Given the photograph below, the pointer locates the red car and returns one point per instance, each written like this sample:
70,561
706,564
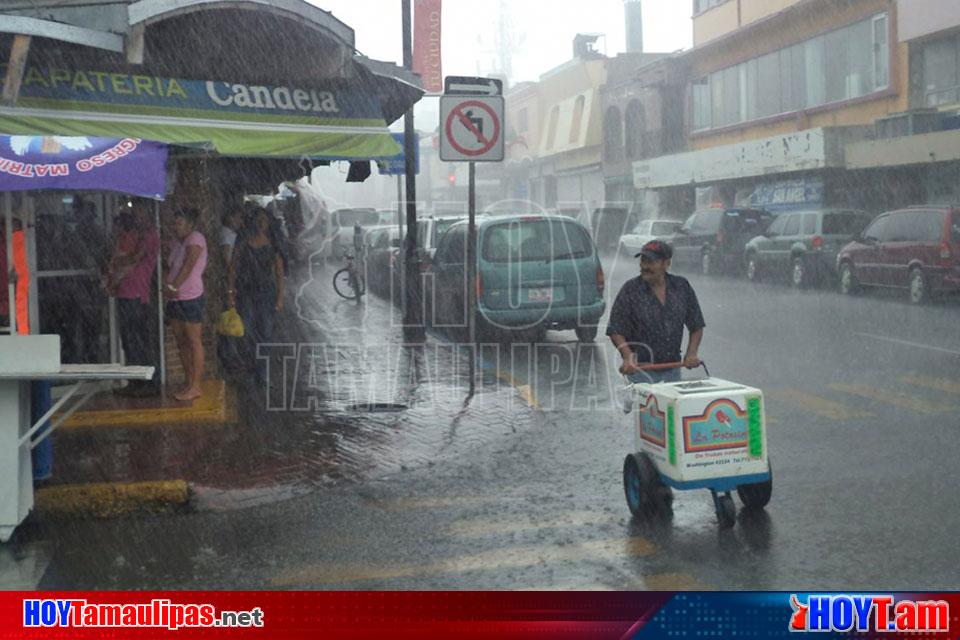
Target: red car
917,249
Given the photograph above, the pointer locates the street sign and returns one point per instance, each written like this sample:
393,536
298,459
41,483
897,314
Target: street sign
396,165
471,128
471,86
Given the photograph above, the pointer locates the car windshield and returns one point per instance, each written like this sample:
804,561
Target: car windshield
846,223
535,240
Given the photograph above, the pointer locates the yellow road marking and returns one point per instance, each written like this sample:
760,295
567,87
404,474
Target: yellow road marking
476,528
817,405
495,559
895,398
525,390
939,384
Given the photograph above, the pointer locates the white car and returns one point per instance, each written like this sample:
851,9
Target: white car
644,232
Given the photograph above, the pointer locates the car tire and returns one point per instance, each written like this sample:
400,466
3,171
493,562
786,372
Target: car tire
919,286
587,333
799,277
848,280
753,268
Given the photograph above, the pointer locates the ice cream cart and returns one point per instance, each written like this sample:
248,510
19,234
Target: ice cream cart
698,434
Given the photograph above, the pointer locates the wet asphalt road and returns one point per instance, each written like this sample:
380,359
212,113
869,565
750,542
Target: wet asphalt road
862,400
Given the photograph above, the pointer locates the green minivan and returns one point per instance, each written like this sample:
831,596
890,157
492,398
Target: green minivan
535,272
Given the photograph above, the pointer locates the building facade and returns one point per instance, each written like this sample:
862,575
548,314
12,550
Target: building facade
778,89
642,102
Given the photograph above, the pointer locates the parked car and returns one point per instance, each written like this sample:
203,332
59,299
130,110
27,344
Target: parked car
713,240
803,245
381,244
430,230
917,249
534,273
644,232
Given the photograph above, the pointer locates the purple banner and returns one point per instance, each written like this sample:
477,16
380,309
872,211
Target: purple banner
128,165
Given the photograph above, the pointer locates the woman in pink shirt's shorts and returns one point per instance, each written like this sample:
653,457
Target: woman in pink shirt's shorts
184,292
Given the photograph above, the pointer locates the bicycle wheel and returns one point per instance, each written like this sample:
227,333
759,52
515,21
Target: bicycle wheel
343,284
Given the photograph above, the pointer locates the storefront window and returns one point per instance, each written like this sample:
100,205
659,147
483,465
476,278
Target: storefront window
845,64
941,76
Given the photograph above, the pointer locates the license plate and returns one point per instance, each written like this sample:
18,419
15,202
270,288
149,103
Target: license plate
540,295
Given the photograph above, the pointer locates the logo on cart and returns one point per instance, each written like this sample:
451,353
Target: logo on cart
865,613
723,425
653,423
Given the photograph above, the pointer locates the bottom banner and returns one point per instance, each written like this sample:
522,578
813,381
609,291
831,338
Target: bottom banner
293,615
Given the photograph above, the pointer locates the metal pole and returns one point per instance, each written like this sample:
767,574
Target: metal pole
472,268
162,335
112,300
11,287
401,253
413,316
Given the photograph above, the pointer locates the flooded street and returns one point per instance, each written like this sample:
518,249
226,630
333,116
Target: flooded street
500,495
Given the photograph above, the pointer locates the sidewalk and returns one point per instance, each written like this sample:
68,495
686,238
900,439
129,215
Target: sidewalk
352,402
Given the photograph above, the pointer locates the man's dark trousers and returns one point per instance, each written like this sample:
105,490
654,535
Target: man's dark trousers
135,332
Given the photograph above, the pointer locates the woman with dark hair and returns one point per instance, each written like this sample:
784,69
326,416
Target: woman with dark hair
184,290
255,283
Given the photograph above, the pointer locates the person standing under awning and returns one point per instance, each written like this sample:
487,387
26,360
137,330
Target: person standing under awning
134,312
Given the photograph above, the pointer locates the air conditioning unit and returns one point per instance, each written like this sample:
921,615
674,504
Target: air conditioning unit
909,123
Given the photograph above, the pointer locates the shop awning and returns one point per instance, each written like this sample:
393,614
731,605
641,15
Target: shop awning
340,121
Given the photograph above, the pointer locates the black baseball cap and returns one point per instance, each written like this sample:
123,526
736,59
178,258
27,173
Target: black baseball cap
656,250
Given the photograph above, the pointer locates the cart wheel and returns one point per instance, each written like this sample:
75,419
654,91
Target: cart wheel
646,494
756,495
660,495
726,511
632,487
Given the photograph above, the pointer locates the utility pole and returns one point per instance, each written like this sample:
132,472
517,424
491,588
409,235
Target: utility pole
413,315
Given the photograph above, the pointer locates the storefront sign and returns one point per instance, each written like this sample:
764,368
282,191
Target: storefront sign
128,165
341,120
785,195
426,44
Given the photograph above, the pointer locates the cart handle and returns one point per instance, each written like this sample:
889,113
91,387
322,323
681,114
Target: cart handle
666,366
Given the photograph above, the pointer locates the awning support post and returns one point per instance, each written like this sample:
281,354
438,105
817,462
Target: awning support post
15,69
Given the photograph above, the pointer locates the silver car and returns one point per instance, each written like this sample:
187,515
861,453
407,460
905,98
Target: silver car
644,232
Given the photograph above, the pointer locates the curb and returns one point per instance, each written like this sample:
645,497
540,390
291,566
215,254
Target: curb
109,500
214,407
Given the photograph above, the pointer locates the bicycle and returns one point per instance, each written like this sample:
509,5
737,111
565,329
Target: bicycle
348,282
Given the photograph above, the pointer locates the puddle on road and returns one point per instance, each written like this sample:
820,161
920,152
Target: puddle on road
274,455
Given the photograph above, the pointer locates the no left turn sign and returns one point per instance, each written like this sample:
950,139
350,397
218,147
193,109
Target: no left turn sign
471,128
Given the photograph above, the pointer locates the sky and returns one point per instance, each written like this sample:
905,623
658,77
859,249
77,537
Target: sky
543,30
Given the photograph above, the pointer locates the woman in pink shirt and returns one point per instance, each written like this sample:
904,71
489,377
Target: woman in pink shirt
184,290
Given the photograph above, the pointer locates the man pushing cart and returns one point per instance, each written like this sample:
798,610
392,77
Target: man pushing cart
708,433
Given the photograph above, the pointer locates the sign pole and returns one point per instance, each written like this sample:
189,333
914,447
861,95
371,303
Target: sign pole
412,320
401,254
11,286
472,267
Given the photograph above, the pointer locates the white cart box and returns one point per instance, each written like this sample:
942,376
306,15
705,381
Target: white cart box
703,429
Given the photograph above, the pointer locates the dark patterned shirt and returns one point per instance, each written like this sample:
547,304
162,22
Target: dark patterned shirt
638,316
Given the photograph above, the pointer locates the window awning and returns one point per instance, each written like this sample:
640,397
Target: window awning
341,121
